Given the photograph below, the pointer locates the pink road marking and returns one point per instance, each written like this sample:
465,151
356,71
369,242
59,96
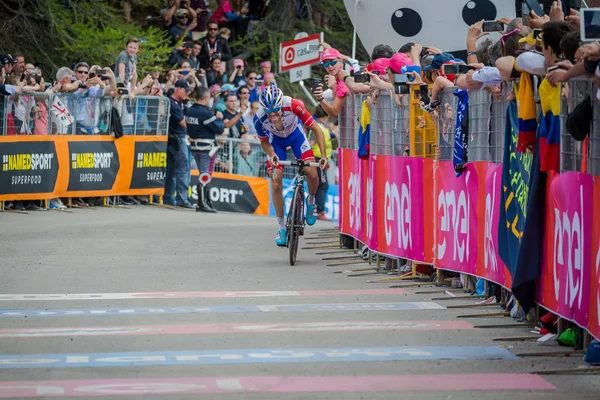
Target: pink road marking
189,329
273,384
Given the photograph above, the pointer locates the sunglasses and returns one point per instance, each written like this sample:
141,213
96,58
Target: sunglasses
82,72
213,29
271,110
327,64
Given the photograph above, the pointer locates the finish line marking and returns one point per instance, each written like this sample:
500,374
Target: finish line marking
195,295
193,329
99,312
254,356
273,384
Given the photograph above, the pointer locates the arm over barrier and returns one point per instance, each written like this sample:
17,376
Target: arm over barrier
474,220
64,145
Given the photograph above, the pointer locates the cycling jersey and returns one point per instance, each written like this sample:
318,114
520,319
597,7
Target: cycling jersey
293,112
293,134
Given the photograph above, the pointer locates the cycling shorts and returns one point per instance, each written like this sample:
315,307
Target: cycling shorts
299,144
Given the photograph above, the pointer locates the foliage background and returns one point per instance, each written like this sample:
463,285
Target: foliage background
56,33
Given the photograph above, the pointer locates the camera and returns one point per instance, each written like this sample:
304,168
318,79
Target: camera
122,91
100,72
362,78
400,78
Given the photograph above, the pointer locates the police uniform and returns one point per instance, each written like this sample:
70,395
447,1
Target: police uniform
202,127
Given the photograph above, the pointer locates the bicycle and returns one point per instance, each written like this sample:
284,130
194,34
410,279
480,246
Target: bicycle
296,220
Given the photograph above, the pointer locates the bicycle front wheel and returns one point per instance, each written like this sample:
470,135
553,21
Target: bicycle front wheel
296,224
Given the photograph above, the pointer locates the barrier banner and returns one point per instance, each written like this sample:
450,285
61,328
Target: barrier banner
594,325
93,166
235,193
402,199
331,200
45,167
492,267
371,214
565,281
28,167
456,218
150,165
352,173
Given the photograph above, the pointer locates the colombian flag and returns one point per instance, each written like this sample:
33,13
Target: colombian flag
526,113
549,127
364,133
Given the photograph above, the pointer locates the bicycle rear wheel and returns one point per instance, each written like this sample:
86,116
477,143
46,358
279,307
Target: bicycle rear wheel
296,223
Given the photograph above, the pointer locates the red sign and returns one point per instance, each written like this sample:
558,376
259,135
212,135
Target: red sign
295,53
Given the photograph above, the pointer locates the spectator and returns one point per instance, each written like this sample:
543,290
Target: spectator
248,117
244,97
177,159
321,118
195,61
235,20
126,65
18,67
232,116
265,68
252,87
225,33
237,76
331,59
183,27
182,55
214,75
202,11
202,127
269,78
246,160
213,46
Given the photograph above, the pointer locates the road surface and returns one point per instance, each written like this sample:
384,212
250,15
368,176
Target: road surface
131,302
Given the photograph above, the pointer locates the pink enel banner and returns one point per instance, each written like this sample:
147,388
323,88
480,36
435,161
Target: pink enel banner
566,271
456,218
351,194
400,199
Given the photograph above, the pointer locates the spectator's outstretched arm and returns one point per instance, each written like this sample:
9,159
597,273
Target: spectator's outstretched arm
168,16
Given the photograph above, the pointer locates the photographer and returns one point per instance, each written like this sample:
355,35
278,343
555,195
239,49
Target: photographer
202,127
237,77
332,61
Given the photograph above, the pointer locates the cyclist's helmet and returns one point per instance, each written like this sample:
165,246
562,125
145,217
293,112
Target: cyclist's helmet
271,97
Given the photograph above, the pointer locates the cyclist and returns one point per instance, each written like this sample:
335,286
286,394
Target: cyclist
279,124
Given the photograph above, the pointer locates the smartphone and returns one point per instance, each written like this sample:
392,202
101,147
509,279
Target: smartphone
453,69
105,78
400,78
590,24
535,6
100,72
401,88
122,91
566,5
91,75
424,92
362,78
315,84
536,33
492,26
314,47
185,72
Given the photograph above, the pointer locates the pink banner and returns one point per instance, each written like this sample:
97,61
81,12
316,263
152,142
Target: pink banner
371,211
400,204
352,193
565,275
456,218
490,265
594,324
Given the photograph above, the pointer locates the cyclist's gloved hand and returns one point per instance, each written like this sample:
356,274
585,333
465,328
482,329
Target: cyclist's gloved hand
324,164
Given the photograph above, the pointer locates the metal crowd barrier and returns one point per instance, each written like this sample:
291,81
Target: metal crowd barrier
79,114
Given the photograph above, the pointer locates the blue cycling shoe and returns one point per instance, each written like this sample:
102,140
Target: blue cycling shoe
281,238
311,214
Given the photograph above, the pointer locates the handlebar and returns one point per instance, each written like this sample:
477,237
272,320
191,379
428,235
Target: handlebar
299,163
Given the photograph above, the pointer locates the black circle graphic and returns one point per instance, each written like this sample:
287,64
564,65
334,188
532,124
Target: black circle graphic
407,22
476,10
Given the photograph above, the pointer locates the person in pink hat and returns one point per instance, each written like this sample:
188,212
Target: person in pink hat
332,61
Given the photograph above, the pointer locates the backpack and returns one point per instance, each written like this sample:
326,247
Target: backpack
116,127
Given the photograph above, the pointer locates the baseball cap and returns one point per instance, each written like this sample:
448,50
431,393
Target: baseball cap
183,84
189,45
238,62
398,61
379,65
180,12
439,60
228,87
7,59
265,64
330,54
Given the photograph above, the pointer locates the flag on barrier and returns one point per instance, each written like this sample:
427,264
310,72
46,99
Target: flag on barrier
527,114
62,116
364,132
461,142
549,130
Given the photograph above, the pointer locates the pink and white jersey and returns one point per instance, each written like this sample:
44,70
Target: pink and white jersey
293,113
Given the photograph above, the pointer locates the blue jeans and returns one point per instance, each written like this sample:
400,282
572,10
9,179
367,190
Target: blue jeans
177,172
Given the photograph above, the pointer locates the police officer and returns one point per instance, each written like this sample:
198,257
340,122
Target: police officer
202,126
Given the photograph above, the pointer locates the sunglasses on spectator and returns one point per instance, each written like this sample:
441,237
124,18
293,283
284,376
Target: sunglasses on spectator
82,72
251,78
327,64
213,29
272,110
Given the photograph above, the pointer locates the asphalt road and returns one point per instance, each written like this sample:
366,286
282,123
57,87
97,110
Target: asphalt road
131,302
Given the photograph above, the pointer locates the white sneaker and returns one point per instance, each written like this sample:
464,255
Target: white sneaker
57,204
